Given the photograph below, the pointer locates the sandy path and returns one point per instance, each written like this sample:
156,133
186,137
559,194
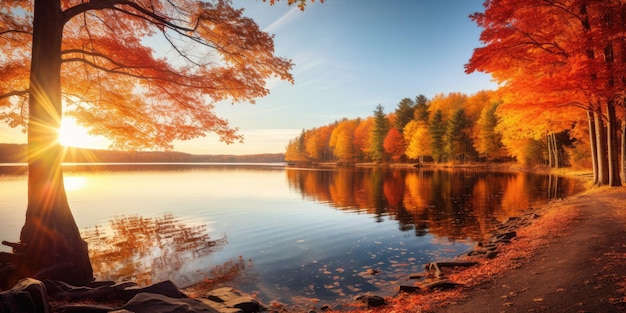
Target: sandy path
582,271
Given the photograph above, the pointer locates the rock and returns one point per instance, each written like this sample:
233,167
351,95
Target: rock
106,291
371,301
155,303
28,295
409,289
165,288
37,291
229,300
503,237
16,302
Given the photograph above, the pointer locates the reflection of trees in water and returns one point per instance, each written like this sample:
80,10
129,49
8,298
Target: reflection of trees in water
452,203
146,250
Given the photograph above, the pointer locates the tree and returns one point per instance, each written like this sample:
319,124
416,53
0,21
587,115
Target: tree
404,113
394,144
560,53
418,140
316,144
437,129
362,137
458,142
342,140
88,58
488,142
421,109
296,149
379,132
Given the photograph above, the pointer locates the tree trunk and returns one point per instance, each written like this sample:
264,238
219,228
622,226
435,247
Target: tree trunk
613,146
54,248
624,148
593,145
623,167
602,148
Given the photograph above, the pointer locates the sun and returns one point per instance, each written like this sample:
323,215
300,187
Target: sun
73,135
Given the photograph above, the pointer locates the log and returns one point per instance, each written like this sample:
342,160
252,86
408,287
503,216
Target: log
443,284
436,266
17,246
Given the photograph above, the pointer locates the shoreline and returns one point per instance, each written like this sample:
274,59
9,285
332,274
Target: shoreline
558,221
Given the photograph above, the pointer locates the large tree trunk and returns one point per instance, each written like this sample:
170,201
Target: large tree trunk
593,145
602,148
623,164
54,248
613,146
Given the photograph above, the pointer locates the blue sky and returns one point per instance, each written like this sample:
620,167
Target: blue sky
350,56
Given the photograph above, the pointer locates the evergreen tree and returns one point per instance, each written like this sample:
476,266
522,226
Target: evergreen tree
404,113
437,130
379,132
421,109
458,141
489,142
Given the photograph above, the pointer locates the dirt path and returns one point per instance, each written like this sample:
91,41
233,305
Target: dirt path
582,271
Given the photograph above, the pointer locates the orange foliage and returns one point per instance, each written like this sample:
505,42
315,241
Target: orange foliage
394,144
118,87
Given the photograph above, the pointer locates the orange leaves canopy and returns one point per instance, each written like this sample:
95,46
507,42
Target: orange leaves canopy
553,52
114,81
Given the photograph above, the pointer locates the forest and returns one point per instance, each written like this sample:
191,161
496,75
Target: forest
561,72
452,128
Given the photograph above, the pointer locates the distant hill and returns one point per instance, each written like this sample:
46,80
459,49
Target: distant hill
16,153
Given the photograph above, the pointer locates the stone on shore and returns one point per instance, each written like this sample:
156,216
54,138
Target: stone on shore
28,295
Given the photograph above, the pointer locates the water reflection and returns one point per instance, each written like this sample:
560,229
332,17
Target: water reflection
451,203
146,250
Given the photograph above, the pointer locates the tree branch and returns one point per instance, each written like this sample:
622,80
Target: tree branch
18,93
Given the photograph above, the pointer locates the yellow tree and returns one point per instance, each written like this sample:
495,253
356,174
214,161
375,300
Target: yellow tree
90,59
418,140
362,137
342,140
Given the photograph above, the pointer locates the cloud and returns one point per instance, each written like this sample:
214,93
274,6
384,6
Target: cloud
285,19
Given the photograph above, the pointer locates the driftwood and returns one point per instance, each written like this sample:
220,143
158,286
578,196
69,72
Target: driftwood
18,247
436,266
443,284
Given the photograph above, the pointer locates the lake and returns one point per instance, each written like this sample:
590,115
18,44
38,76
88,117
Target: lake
286,234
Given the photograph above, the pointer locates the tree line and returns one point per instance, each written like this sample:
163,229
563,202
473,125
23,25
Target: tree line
456,127
561,70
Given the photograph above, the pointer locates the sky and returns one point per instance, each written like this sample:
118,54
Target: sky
349,56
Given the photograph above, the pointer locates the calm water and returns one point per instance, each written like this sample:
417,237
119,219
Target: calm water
286,234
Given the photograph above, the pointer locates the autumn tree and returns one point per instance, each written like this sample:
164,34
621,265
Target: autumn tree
296,149
394,144
362,137
317,146
379,132
561,53
342,140
89,60
418,140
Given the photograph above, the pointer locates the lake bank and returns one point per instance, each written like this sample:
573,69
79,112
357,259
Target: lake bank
569,260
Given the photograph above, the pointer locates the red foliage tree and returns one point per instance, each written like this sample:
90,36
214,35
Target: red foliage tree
394,144
560,53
